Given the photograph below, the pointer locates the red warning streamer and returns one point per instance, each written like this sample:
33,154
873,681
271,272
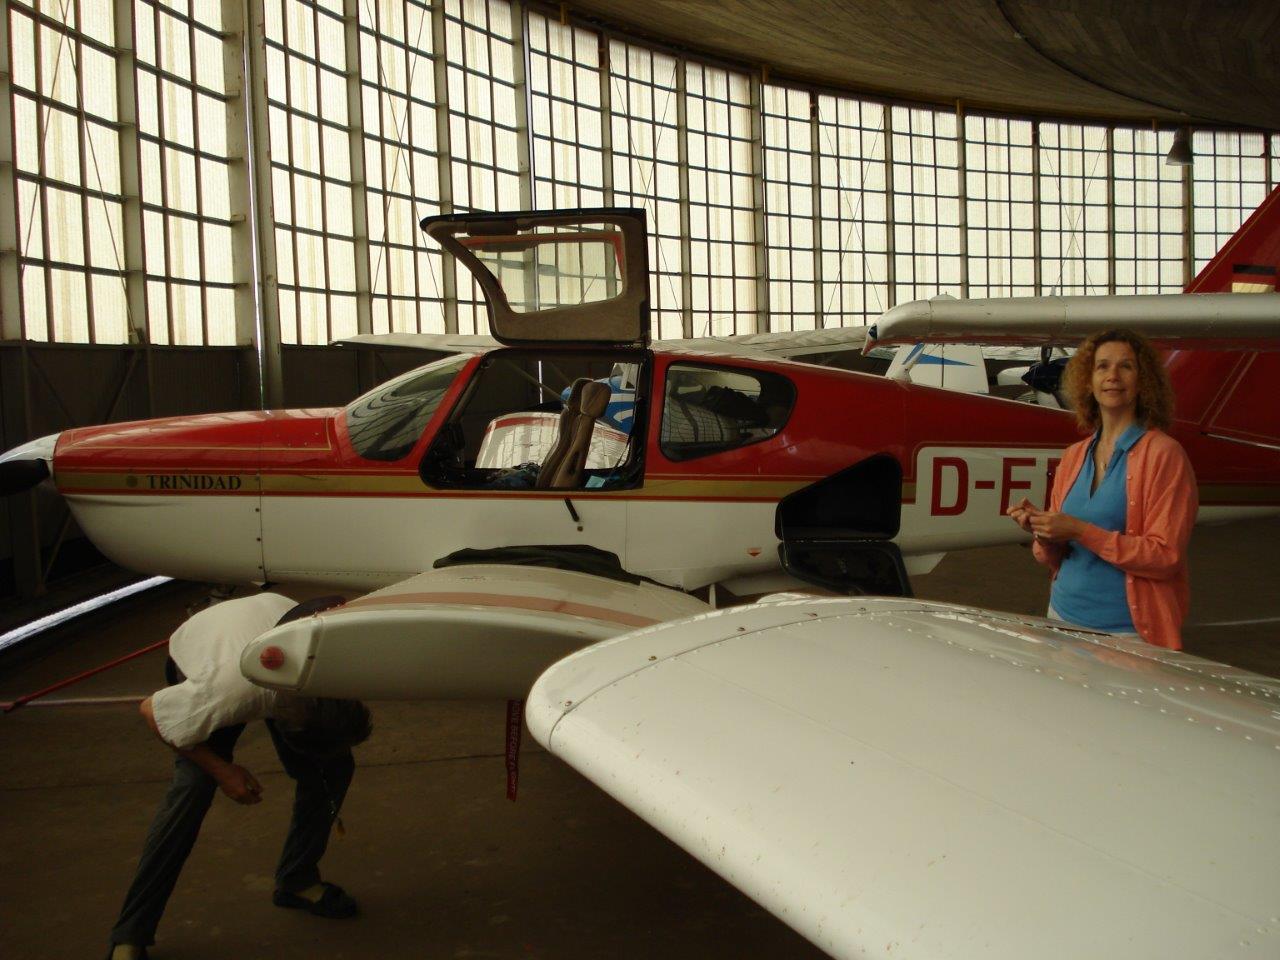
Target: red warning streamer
515,726
10,707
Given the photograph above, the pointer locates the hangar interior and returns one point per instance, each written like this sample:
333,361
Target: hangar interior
200,195
198,198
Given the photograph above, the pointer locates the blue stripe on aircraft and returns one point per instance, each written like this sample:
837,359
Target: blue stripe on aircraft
930,358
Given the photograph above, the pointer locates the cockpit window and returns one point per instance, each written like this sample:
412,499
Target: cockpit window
386,422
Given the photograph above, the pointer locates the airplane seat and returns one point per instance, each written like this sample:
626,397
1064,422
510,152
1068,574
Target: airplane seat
562,469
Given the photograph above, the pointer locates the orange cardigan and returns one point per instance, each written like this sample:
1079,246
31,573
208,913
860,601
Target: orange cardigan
1152,551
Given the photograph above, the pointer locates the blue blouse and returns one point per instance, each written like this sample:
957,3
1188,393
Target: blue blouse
1089,591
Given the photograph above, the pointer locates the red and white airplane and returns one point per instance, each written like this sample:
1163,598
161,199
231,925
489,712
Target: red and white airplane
755,474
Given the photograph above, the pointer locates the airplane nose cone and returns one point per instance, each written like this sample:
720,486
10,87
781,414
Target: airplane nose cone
26,464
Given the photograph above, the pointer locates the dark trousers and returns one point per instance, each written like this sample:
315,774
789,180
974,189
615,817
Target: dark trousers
320,786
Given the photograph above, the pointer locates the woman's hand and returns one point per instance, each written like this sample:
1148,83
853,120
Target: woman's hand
1021,513
1054,527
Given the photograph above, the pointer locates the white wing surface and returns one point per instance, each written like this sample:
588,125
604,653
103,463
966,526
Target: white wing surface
440,342
474,630
784,344
902,779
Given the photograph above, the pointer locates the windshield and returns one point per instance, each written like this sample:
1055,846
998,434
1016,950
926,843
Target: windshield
386,422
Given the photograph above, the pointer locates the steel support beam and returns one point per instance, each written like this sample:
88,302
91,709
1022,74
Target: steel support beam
606,120
1111,211
1188,224
133,239
444,164
815,174
359,183
10,272
259,126
962,204
759,220
682,160
15,390
240,187
890,215
1037,269
520,77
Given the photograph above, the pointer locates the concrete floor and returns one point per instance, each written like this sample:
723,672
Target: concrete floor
442,864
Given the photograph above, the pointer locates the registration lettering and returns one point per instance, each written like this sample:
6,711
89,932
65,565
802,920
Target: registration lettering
959,481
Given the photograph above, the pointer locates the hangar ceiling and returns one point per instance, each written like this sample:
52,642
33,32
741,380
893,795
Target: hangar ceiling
1190,61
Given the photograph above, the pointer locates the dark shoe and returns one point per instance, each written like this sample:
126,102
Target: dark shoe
334,904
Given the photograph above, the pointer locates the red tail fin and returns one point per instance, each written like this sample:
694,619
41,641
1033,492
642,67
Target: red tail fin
1228,392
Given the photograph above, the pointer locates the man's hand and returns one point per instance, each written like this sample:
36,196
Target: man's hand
234,780
239,784
1055,527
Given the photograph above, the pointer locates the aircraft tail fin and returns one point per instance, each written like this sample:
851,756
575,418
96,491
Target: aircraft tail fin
1230,393
955,366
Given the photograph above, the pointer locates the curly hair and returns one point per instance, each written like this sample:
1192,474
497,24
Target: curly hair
1155,392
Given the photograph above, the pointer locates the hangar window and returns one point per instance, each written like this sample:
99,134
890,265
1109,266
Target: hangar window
644,88
386,422
710,410
1229,171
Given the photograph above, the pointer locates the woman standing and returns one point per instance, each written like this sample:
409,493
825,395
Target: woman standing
1123,501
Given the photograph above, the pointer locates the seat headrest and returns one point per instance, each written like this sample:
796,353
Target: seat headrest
595,398
572,401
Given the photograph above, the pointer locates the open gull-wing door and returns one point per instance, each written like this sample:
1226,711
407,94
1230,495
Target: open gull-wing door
579,277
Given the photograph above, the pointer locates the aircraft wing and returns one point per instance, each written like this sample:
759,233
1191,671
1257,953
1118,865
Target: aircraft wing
439,342
785,345
782,344
481,630
900,778
1200,320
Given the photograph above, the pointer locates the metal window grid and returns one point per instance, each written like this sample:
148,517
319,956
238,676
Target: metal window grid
401,159
1000,220
481,53
310,166
853,210
1073,209
926,204
1148,213
565,117
721,201
790,238
646,139
71,270
1229,177
185,175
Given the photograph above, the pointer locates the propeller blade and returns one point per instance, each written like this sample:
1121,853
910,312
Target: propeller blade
17,476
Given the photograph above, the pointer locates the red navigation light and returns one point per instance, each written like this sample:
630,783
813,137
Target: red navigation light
271,658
